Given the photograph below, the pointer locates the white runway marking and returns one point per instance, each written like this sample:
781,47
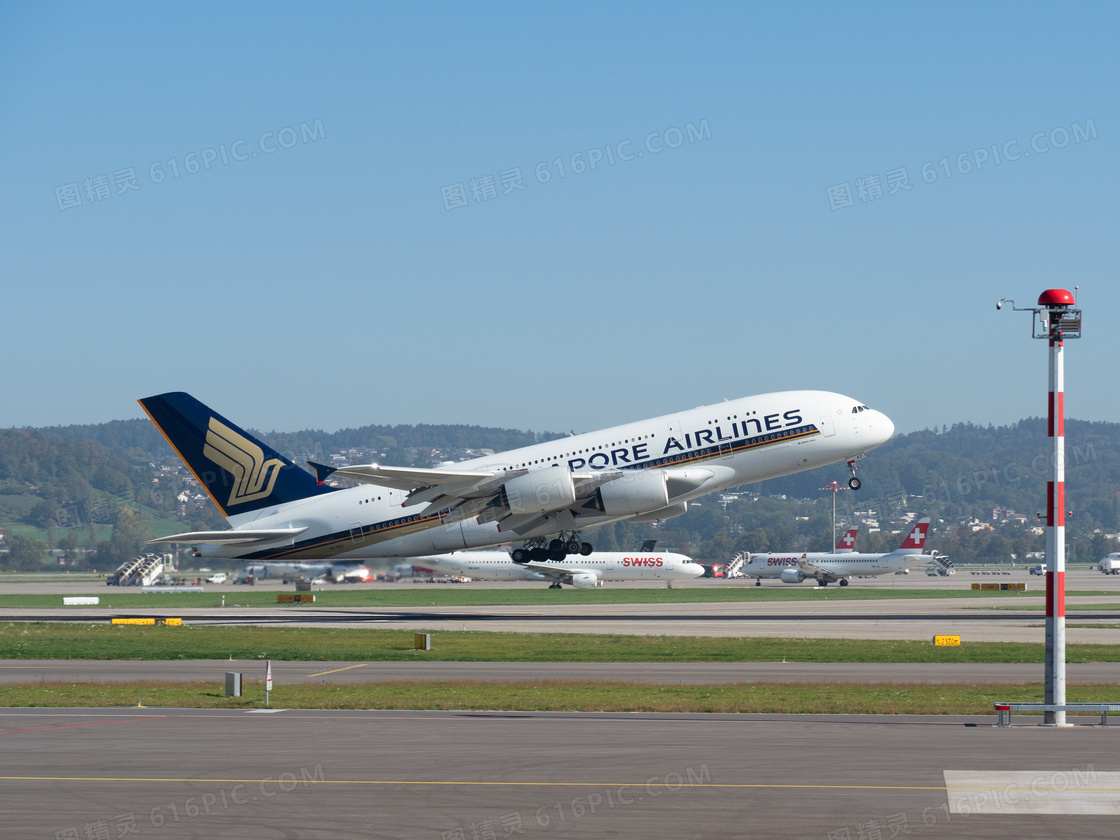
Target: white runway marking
1079,790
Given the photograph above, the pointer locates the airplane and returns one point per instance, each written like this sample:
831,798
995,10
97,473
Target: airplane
584,572
829,567
646,471
845,545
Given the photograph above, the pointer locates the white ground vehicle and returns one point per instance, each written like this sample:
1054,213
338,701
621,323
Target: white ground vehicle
1110,565
1039,569
217,577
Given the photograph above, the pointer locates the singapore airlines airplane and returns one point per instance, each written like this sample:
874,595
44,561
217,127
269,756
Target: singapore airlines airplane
645,471
828,567
585,573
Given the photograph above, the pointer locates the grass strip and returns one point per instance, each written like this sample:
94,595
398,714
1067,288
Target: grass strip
46,640
424,595
555,696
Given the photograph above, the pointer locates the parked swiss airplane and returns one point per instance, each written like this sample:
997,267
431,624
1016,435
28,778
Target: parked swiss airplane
583,572
645,471
835,566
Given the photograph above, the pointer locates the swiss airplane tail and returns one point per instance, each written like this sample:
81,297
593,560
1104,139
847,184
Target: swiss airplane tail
240,473
916,538
847,542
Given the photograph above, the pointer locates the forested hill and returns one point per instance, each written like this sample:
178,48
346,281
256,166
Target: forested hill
401,445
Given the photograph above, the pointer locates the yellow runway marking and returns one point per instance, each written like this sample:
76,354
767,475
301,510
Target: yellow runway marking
336,670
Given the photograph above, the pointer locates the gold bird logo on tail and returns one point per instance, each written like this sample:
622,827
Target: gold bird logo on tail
242,459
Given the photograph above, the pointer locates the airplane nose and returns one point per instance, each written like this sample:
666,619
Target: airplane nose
884,428
695,569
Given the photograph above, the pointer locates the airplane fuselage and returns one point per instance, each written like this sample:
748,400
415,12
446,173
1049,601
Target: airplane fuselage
707,449
611,565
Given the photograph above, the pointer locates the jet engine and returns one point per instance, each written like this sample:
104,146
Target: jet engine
586,580
539,491
792,576
638,491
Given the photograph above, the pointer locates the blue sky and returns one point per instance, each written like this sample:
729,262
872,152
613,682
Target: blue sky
334,215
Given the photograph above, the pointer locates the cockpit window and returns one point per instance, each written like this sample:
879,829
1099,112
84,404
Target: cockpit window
857,409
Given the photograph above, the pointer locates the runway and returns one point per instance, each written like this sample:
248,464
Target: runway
171,773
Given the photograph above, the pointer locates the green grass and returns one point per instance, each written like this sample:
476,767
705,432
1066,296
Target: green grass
784,698
434,595
104,641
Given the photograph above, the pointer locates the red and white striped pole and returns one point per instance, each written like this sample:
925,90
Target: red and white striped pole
1056,524
1055,319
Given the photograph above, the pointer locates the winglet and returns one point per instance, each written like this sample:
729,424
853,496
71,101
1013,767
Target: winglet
322,471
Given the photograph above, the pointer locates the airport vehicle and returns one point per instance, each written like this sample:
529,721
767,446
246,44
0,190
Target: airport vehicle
826,568
1038,569
581,572
333,572
644,471
217,577
1110,565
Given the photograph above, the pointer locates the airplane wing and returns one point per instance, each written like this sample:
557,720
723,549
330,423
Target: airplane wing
468,494
230,537
813,570
554,570
445,487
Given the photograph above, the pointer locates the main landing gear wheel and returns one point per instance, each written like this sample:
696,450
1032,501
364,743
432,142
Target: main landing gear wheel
555,586
585,549
519,555
843,583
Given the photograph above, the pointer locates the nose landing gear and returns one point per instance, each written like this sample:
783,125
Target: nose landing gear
853,482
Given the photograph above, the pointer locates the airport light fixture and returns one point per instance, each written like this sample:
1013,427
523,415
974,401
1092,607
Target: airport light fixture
835,487
1056,320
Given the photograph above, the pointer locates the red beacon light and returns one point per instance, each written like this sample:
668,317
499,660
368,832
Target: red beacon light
1055,297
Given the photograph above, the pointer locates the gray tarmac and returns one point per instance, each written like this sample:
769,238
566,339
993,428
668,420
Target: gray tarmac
71,774
664,673
313,775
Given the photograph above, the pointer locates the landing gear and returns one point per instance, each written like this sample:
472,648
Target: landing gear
537,550
853,482
555,586
822,583
843,582
758,581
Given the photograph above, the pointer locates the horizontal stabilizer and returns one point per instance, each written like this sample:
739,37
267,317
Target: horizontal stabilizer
231,537
322,471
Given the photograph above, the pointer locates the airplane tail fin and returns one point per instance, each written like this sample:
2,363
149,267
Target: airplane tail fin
240,473
848,541
916,538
